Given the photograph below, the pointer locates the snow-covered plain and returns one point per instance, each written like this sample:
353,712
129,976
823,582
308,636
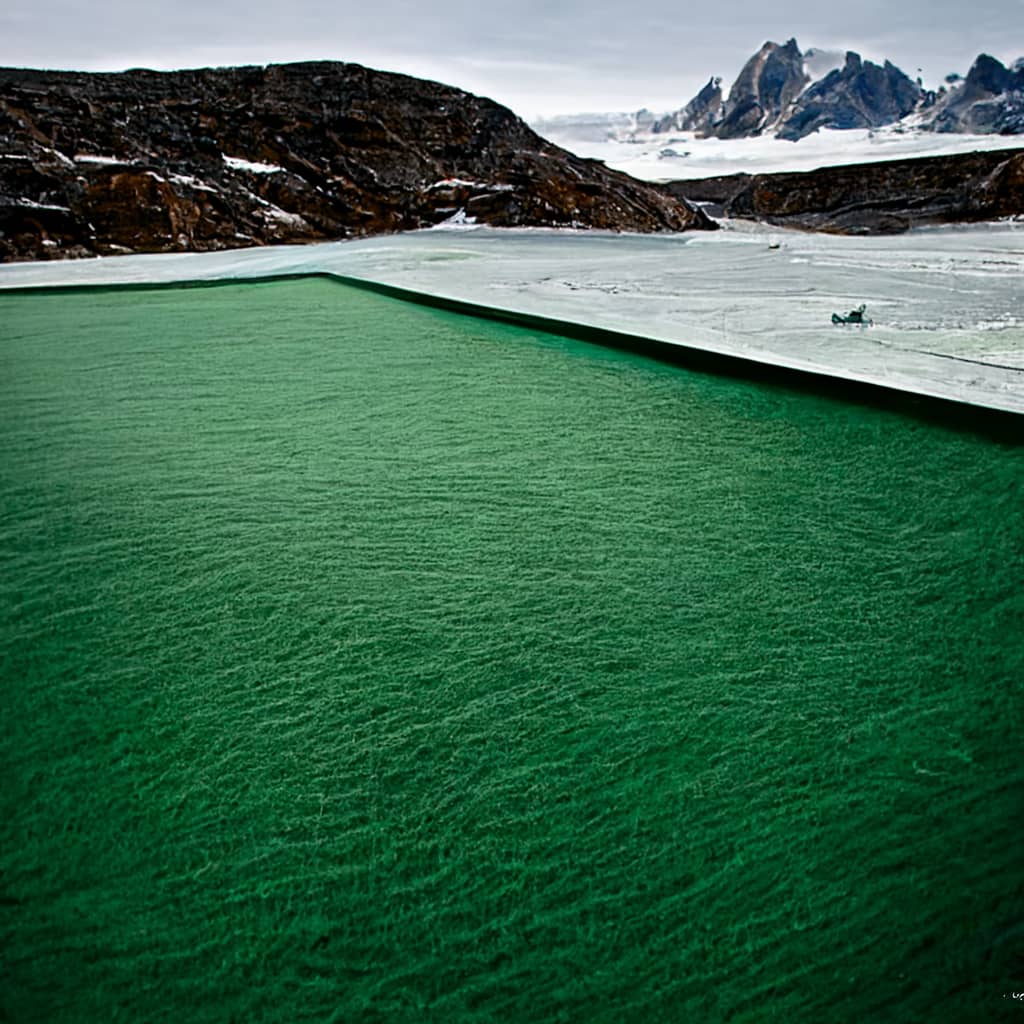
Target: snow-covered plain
947,304
675,156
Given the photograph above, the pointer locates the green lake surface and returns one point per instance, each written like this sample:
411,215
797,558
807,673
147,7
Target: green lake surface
364,662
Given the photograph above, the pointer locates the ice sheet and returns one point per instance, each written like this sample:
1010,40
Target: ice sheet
947,304
681,155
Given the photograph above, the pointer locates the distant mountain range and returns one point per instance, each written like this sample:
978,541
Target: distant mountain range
790,94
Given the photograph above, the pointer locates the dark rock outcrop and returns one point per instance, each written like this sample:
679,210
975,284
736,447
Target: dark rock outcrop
880,198
990,100
860,95
700,115
764,91
774,92
150,161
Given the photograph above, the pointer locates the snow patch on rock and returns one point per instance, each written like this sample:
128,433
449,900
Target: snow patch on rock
252,166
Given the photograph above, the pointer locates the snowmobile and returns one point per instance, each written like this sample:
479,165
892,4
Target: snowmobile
855,316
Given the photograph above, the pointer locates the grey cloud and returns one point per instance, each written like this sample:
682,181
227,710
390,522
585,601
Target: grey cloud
531,55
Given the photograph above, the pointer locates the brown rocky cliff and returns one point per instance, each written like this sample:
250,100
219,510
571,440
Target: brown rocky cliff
174,161
877,198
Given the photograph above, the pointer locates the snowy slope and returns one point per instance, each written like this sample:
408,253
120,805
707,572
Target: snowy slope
670,157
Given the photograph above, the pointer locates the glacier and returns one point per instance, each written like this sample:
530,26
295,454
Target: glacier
618,142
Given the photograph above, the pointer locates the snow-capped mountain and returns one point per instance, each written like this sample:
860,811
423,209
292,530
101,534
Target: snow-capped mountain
792,94
784,91
989,100
840,107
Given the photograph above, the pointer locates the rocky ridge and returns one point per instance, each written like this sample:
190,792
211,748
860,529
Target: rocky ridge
144,161
876,198
859,95
989,100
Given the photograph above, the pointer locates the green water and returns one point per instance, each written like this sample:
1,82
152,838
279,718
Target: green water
365,663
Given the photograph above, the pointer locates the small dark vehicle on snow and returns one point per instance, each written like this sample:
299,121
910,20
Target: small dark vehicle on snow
855,316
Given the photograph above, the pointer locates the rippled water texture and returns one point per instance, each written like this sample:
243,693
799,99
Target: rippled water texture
362,662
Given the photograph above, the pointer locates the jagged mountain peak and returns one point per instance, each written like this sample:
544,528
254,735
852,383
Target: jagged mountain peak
766,85
779,89
860,95
792,94
990,100
990,74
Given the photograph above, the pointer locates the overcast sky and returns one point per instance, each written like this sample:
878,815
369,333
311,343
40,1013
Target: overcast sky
537,57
